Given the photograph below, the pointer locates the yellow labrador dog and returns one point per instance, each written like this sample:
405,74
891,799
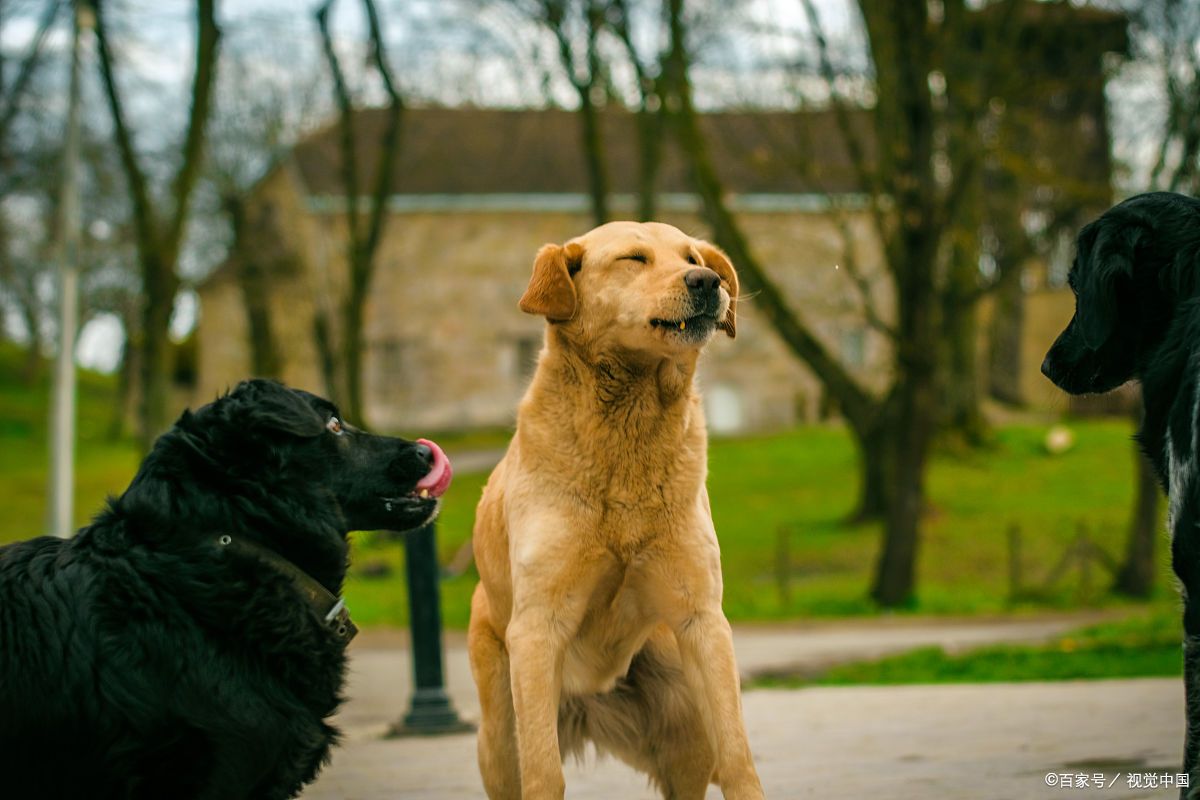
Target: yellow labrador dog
598,612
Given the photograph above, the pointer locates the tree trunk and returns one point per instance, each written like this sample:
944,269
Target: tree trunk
593,153
159,243
323,339
904,119
159,286
352,351
651,112
872,485
124,413
859,408
905,450
1004,338
363,235
1135,576
650,139
962,419
265,361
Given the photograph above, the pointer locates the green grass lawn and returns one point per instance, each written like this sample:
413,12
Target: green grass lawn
801,480
1142,645
804,481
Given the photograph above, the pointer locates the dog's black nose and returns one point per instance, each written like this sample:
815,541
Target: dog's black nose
425,453
1046,366
702,279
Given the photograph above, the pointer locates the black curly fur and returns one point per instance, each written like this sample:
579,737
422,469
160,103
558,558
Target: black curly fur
141,660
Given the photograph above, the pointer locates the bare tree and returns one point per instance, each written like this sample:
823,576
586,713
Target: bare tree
160,237
31,159
649,111
1165,34
859,406
19,273
894,430
253,123
576,26
364,230
13,92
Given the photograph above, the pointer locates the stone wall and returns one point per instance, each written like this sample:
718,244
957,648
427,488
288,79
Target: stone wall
447,347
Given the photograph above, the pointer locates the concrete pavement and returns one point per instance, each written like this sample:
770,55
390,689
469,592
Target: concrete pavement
963,741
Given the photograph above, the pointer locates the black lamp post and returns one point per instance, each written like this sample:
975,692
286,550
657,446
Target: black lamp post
431,711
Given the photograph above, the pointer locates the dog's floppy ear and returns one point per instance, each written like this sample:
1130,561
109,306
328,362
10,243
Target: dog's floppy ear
716,260
270,406
1105,256
551,292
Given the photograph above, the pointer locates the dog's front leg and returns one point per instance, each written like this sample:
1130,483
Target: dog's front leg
1191,684
706,648
1185,559
535,648
551,589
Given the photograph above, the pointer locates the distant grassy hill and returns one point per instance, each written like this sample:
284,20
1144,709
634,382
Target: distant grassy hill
103,466
802,480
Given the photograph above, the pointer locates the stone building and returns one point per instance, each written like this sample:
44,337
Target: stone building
475,192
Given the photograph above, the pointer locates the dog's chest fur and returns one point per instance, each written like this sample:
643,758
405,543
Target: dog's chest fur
1181,466
614,629
1170,437
1170,431
632,476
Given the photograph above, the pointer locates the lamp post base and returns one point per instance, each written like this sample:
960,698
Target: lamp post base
431,714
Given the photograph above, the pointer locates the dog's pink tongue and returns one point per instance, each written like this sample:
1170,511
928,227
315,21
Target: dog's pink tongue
438,479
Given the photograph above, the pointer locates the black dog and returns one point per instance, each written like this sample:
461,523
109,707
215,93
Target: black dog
1136,279
190,643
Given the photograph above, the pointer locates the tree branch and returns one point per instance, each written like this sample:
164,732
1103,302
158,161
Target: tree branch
349,161
1001,40
552,14
391,139
859,407
207,37
650,112
867,176
861,283
12,98
143,212
1188,103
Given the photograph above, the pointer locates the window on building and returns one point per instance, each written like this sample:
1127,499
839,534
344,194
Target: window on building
854,348
724,409
527,349
394,367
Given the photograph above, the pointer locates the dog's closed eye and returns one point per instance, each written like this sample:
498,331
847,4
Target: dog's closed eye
639,257
334,426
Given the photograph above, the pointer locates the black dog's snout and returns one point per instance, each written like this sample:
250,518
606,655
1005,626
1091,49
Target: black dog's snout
702,280
424,453
1046,365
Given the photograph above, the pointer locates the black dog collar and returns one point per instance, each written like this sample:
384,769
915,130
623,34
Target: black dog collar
330,610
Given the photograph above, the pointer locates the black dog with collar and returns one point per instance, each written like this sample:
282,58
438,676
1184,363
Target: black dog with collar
1136,279
180,645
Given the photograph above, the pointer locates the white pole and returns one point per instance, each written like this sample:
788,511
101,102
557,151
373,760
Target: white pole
62,419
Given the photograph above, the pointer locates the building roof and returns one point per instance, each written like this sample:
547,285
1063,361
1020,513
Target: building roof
538,151
491,151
